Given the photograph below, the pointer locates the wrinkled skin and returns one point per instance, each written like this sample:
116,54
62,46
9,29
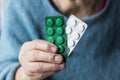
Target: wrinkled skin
39,58
80,8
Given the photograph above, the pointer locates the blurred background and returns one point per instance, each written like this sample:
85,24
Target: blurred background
2,6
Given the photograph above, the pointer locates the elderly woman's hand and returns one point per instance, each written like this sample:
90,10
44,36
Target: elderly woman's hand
39,59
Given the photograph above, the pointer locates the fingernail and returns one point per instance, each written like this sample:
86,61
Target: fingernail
53,49
58,59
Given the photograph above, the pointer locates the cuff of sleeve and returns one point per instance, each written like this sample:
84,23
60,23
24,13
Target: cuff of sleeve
8,73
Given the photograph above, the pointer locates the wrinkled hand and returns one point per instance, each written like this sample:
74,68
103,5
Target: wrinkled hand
39,60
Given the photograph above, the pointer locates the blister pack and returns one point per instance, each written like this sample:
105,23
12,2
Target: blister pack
75,29
64,35
56,34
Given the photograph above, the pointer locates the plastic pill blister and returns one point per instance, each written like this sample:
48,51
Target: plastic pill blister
75,29
55,33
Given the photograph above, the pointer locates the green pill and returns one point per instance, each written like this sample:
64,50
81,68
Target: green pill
50,31
61,49
59,22
60,40
51,39
59,31
50,22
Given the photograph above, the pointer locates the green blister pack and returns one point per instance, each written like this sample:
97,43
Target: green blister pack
55,33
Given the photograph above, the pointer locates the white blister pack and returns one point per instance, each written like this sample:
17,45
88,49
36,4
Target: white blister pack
75,29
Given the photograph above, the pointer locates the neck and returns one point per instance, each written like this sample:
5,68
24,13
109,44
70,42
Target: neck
80,8
87,9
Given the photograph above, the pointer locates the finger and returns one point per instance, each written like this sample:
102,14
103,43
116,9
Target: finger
41,56
41,67
43,45
40,45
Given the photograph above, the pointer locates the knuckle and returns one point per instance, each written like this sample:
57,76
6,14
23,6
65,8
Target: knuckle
47,47
22,55
26,43
36,40
24,46
35,54
21,58
34,44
